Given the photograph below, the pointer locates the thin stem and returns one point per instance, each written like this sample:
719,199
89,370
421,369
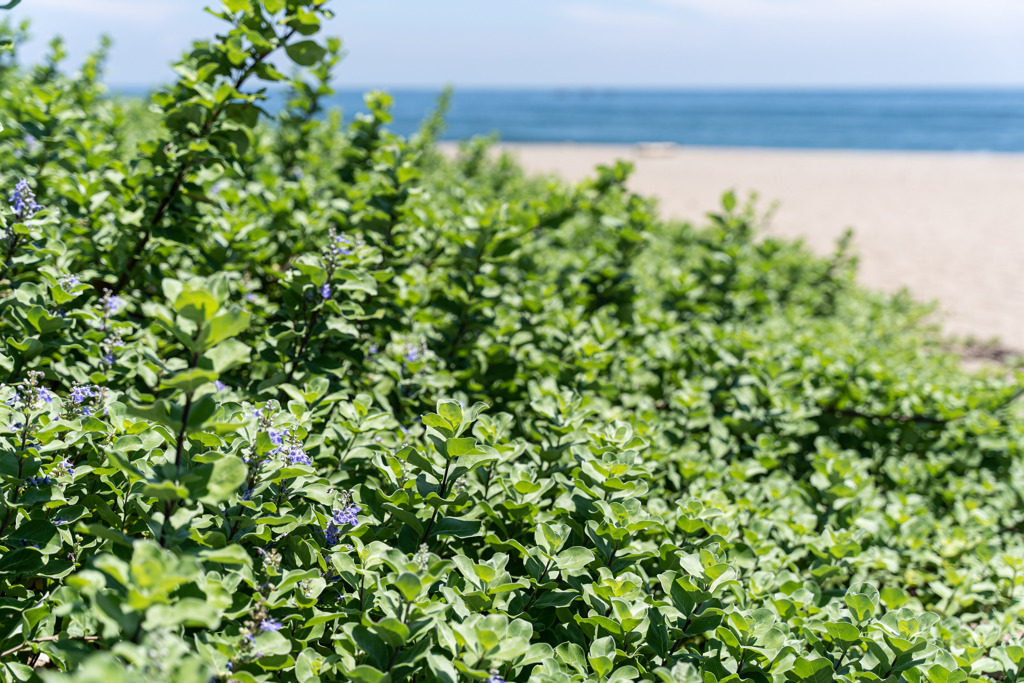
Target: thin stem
442,491
302,345
11,248
536,589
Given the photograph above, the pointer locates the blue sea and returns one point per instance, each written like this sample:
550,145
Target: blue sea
966,120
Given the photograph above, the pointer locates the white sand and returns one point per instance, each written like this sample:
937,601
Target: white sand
948,226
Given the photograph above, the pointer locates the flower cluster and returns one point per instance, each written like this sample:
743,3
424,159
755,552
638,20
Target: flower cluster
70,282
287,444
64,468
110,305
38,481
86,399
259,621
348,514
263,417
422,557
23,202
415,352
338,245
271,559
29,395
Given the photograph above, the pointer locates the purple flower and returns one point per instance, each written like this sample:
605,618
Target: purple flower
340,240
64,468
325,291
219,386
80,393
23,201
112,303
331,534
413,355
14,400
270,625
277,435
44,395
495,677
70,282
373,350
257,413
108,358
297,456
349,515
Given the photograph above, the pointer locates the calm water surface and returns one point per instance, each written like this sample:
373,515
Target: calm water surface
893,120
962,120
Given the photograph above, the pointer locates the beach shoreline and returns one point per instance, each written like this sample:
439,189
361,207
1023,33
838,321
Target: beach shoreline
947,226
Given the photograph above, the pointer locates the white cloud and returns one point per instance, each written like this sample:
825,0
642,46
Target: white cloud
115,10
925,11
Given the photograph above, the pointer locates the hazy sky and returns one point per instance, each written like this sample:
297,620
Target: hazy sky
716,43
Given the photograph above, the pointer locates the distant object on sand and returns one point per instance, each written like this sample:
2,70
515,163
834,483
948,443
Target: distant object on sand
655,149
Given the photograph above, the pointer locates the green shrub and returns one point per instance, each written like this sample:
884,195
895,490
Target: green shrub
300,399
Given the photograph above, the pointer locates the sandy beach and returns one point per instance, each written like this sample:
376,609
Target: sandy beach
947,226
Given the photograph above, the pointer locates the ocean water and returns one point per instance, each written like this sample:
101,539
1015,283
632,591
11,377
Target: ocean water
966,120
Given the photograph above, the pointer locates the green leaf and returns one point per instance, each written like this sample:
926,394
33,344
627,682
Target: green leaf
861,605
811,670
305,52
459,447
231,555
365,674
460,528
451,411
226,355
409,584
843,632
217,481
21,561
228,324
189,380
573,559
196,305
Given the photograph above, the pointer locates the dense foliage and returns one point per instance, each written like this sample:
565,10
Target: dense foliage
294,400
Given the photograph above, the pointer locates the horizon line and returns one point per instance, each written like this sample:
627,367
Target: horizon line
353,87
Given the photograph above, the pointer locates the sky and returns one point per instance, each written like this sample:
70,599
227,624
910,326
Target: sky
595,43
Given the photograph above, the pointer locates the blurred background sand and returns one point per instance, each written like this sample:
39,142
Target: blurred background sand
947,226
